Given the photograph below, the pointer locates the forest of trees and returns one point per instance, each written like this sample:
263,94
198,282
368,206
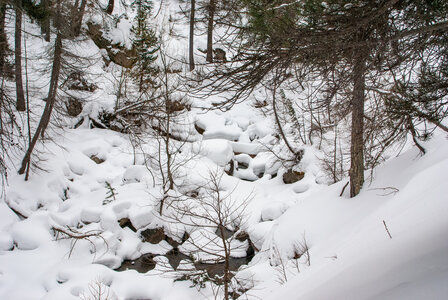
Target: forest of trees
382,64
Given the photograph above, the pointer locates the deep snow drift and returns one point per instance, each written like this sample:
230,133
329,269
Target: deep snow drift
350,253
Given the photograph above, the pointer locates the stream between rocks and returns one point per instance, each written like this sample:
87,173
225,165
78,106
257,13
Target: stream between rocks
146,263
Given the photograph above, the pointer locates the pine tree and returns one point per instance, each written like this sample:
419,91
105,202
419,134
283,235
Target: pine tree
145,44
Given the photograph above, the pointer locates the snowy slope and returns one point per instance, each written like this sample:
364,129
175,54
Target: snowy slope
352,256
345,249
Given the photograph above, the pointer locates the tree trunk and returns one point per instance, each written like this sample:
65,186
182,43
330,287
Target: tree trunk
45,119
211,19
45,26
20,105
191,54
3,38
357,134
226,277
110,7
77,18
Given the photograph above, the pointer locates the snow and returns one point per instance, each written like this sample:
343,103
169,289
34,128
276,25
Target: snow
219,151
272,211
344,247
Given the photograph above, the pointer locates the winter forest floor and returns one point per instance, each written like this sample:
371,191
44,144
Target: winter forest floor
87,225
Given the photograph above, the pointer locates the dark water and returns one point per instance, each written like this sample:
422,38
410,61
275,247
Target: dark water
218,268
142,264
146,263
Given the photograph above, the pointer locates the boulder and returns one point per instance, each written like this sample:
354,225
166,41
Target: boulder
292,176
96,159
115,52
74,107
125,222
154,235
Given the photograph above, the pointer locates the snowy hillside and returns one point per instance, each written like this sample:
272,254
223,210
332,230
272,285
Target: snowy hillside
157,189
350,253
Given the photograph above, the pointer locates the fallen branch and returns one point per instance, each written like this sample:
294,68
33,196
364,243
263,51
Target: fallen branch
75,235
17,209
393,190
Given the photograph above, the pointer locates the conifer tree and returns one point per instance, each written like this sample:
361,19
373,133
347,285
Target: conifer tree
145,44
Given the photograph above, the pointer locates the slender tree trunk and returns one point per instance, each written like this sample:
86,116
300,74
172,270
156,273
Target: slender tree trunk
45,119
74,16
357,134
79,14
211,19
20,105
191,48
3,38
226,248
45,26
411,129
168,112
440,125
110,7
277,120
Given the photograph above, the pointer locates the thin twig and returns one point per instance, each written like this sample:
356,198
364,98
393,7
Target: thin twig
387,229
343,189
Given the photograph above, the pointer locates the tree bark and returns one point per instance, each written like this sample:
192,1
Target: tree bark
3,38
77,18
20,104
357,131
45,119
45,26
191,44
110,7
211,20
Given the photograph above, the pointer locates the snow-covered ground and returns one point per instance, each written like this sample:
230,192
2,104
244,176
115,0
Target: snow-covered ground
309,242
350,254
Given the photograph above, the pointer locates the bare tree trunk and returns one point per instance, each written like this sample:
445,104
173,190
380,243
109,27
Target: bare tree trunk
357,136
211,19
191,53
45,119
77,15
226,277
277,120
45,26
440,125
82,9
3,38
110,7
168,112
20,105
411,129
